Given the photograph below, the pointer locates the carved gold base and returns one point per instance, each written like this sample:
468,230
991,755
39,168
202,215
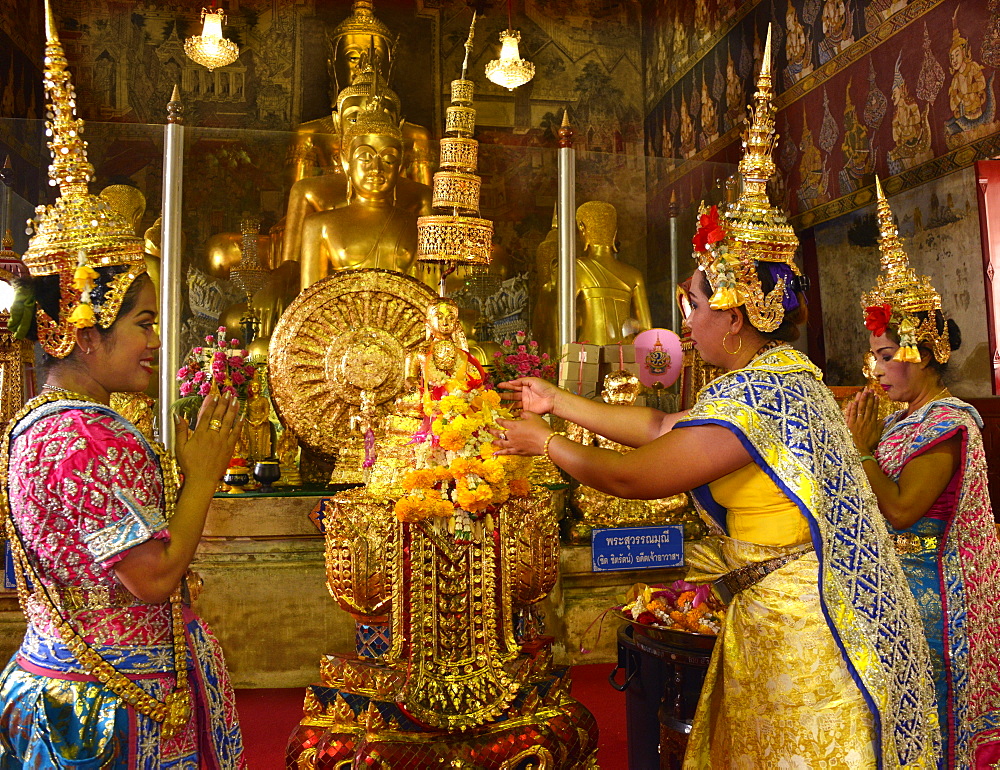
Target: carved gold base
596,510
544,728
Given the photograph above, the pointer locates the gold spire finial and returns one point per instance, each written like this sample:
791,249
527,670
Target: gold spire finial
468,45
905,293
51,35
79,230
752,231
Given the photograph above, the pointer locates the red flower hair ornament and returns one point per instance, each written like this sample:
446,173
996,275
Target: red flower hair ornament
709,230
877,318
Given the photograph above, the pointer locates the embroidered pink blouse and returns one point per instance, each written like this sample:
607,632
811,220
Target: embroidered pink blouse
84,489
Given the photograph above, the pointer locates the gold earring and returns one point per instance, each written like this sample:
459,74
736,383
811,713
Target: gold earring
738,347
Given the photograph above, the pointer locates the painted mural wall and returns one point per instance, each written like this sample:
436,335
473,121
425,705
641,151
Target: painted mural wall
902,88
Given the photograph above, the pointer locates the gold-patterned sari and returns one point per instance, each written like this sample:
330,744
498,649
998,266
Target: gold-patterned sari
822,663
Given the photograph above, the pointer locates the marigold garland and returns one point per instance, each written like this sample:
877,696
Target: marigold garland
456,480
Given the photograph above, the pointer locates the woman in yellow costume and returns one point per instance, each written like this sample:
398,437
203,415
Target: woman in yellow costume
821,661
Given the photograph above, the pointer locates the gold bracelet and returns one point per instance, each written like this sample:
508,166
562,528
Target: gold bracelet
545,446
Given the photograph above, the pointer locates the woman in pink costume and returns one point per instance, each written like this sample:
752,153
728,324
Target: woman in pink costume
115,671
927,467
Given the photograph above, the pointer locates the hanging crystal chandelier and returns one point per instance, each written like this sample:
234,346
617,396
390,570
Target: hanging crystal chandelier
510,70
210,49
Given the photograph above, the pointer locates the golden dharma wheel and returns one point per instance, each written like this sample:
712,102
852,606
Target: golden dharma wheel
347,334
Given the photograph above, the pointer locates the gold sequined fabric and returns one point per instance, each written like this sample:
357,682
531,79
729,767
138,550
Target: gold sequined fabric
779,692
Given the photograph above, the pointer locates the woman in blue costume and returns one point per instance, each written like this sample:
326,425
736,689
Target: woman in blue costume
821,661
927,467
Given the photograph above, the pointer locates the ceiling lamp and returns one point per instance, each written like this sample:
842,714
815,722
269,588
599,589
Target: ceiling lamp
510,70
210,49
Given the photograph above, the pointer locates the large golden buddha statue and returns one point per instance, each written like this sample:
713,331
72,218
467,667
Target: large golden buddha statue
361,52
372,230
611,300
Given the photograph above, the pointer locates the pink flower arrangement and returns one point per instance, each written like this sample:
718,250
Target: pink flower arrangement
520,358
220,362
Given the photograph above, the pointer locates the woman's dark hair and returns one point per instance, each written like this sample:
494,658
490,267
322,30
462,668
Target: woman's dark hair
788,331
46,293
940,323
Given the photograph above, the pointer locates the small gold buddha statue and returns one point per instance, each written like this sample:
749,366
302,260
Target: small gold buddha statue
257,422
288,459
592,508
441,357
371,230
611,300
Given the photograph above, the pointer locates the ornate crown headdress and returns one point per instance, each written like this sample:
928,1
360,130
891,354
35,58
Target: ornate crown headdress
899,294
373,119
80,231
751,230
362,21
364,85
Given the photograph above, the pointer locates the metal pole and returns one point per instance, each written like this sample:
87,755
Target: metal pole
170,267
7,177
567,234
673,212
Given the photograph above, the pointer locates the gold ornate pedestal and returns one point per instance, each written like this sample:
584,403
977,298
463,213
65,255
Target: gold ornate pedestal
453,678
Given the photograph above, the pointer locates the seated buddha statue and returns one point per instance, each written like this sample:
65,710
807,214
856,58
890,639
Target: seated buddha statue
611,299
372,230
361,53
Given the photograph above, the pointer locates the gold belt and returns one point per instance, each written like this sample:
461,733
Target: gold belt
73,598
908,542
741,578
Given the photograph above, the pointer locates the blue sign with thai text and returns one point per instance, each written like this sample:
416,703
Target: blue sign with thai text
637,548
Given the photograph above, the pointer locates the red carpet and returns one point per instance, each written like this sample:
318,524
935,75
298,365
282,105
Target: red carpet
268,717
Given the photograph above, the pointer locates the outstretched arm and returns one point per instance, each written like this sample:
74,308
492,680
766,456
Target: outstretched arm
628,425
676,462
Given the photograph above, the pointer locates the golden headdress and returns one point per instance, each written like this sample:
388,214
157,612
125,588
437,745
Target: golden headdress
751,230
364,85
362,21
80,231
900,294
373,119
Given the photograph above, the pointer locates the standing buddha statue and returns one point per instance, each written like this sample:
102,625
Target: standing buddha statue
611,296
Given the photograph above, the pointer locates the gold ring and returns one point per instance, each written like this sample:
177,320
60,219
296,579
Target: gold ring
215,425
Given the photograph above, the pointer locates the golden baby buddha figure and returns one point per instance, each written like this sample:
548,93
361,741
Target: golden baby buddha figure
442,358
611,298
371,230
